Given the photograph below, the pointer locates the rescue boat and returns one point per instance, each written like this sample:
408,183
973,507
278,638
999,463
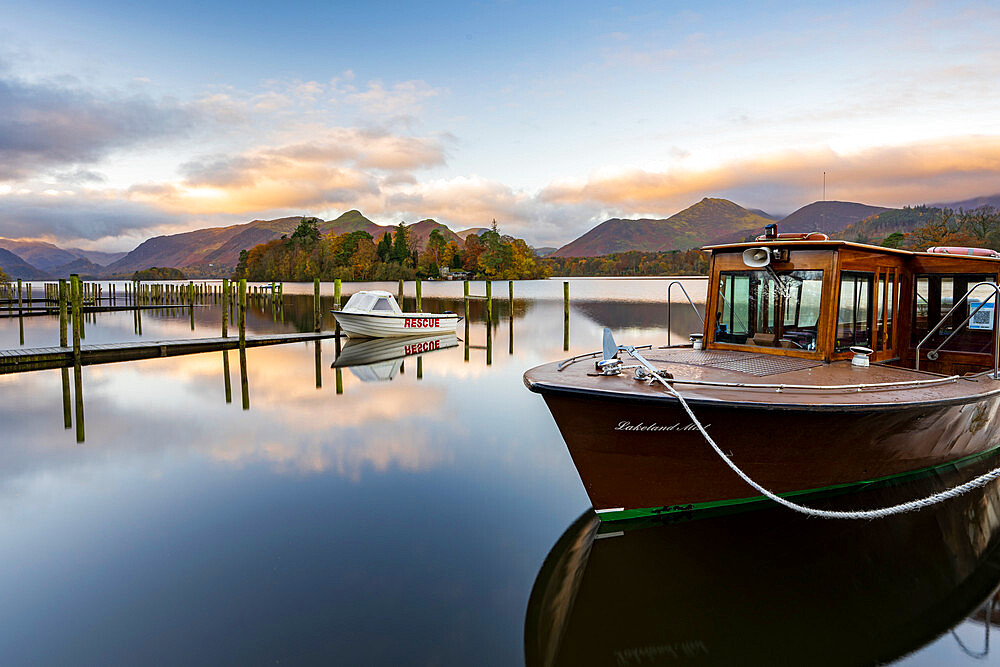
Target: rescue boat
375,314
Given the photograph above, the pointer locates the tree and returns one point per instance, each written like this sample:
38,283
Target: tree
241,265
384,249
400,244
306,234
4,278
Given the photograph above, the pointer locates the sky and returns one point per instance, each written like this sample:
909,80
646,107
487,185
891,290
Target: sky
121,120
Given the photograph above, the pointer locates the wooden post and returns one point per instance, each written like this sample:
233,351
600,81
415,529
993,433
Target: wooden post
466,330
191,303
77,315
63,340
419,306
489,301
317,316
566,315
241,319
336,293
225,312
20,303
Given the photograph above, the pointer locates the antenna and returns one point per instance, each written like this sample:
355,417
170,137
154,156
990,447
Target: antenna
824,186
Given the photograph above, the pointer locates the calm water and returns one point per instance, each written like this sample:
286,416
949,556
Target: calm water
421,510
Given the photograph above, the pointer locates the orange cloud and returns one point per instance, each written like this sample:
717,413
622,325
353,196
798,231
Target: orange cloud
953,168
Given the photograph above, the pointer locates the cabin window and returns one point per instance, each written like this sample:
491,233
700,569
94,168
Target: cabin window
383,305
854,316
769,309
935,294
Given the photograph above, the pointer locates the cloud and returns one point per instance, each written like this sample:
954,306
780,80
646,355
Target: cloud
47,124
951,168
71,215
403,98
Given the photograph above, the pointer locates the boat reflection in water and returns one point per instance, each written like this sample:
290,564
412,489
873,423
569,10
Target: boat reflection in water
769,586
379,359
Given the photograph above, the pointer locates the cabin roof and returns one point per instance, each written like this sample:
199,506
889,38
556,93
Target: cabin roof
836,245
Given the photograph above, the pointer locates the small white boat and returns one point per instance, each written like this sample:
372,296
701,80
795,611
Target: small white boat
375,314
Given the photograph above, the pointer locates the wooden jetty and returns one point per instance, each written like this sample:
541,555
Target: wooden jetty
18,360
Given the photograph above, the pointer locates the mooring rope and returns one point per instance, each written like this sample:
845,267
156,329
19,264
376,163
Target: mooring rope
831,514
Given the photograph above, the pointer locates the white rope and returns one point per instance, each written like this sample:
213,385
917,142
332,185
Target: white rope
828,514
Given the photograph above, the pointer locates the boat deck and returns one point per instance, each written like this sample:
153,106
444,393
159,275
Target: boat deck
748,369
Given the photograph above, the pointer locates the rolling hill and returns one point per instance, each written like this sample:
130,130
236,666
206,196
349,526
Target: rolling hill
829,217
17,268
708,221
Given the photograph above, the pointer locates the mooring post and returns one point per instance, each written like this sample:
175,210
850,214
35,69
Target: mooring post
489,302
340,376
566,315
419,306
401,294
225,308
63,340
336,303
420,367
241,315
20,303
191,303
74,281
317,316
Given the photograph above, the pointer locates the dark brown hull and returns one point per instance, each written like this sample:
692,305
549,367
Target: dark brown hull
645,455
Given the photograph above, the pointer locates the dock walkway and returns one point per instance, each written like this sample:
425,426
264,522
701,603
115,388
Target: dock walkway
16,360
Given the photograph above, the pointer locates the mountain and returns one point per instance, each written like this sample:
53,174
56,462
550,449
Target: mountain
478,231
98,257
81,266
215,251
40,255
763,214
544,251
970,204
708,221
876,227
829,217
16,268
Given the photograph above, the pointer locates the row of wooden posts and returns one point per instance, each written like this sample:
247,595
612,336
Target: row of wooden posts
74,295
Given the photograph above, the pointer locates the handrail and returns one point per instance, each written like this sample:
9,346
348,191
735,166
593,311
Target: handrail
996,338
670,302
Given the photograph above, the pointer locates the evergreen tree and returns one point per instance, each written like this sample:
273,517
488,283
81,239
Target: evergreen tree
384,248
401,244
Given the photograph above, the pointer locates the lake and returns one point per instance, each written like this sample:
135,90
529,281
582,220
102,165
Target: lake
423,510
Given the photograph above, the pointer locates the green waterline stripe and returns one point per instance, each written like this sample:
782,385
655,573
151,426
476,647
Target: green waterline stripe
715,504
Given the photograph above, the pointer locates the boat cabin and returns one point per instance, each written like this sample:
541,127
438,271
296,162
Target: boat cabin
373,301
808,296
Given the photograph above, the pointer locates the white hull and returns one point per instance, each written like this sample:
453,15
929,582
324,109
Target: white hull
391,325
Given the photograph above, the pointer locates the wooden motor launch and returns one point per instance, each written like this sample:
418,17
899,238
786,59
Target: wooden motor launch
822,366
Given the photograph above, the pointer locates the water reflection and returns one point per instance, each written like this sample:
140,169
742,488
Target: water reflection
380,359
767,587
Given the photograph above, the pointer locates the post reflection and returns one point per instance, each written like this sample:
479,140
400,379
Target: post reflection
66,402
226,376
78,389
244,382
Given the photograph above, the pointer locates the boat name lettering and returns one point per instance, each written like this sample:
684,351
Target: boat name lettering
641,426
426,346
421,322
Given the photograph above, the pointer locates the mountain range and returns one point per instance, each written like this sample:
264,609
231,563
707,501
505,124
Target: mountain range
215,251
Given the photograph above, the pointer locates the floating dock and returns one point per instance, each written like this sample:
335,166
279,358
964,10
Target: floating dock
18,360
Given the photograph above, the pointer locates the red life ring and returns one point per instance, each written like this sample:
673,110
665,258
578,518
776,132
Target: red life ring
969,252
